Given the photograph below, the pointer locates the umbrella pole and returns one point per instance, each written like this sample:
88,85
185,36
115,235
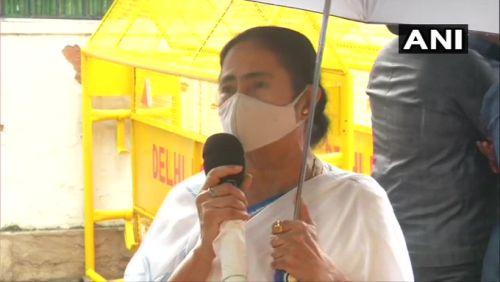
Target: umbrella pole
312,107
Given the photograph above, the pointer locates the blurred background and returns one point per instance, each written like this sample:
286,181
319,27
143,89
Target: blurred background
41,196
105,105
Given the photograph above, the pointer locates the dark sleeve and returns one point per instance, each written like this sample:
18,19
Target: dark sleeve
474,78
490,117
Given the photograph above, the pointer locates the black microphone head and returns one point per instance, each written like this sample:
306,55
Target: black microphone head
224,149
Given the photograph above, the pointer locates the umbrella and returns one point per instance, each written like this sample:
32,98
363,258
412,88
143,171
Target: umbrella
479,15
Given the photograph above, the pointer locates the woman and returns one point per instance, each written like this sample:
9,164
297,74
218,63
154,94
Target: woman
347,230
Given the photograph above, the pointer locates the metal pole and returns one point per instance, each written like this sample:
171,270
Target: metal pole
312,107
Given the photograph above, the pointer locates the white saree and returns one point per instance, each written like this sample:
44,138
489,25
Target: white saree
355,222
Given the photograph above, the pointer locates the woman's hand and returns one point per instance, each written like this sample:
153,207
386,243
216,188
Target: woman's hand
296,251
218,203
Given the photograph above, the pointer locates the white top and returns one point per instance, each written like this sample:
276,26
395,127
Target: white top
355,222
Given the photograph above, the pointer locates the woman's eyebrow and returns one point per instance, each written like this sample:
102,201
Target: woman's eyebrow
251,75
257,75
227,78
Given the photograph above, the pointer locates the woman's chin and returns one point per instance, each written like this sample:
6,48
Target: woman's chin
279,152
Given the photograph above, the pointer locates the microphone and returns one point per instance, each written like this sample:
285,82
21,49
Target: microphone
224,149
230,246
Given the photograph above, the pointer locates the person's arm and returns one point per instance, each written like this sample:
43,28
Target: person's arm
173,228
473,77
216,204
196,266
137,269
491,123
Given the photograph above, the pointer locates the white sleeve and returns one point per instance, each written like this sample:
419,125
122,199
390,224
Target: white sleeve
387,257
169,238
137,269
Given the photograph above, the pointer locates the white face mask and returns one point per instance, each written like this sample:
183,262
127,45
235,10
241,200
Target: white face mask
256,123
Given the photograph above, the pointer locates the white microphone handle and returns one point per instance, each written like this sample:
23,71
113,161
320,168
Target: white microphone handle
231,250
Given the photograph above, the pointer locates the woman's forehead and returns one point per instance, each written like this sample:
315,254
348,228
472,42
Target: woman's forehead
249,57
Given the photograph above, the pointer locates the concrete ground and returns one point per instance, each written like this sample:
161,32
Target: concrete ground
58,255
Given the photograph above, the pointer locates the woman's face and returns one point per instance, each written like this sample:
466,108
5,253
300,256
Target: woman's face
257,72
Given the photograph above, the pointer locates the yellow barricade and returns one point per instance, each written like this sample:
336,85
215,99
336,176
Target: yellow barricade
160,57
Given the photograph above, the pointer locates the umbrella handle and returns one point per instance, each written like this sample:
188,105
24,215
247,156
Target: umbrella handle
281,275
312,106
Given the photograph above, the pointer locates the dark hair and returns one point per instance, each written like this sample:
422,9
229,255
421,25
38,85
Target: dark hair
298,56
393,28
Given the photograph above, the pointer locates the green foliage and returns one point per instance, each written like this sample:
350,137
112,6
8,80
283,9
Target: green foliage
59,9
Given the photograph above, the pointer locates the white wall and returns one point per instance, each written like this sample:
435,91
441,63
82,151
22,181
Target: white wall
41,183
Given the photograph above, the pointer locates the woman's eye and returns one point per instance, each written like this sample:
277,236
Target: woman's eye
227,90
261,84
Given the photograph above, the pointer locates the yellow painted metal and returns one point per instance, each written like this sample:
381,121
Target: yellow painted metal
94,276
347,121
118,82
334,149
143,212
131,242
120,136
184,37
88,175
103,215
333,158
159,58
163,159
100,115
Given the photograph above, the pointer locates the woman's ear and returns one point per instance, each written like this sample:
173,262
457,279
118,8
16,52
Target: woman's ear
303,104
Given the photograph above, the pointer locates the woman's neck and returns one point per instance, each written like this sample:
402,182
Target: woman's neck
274,172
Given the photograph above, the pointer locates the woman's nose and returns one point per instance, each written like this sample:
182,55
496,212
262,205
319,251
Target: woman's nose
243,87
